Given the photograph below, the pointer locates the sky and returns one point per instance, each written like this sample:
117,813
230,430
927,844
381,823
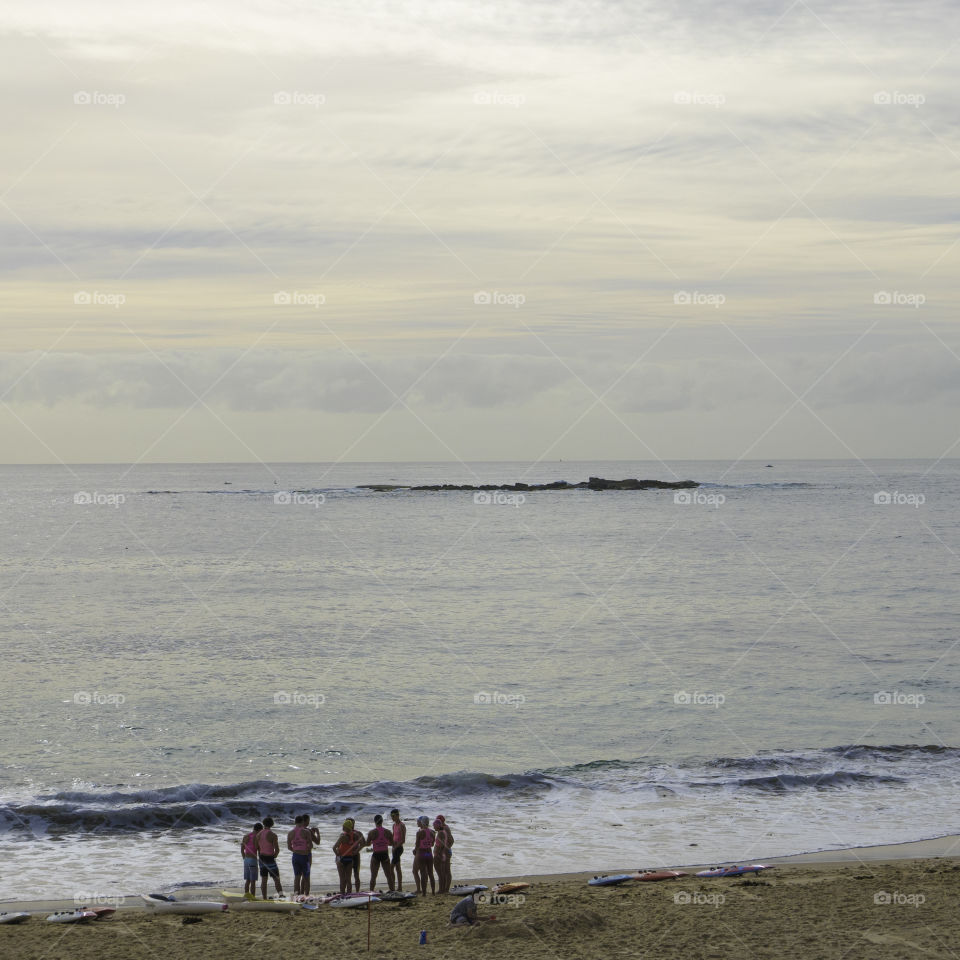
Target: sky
577,229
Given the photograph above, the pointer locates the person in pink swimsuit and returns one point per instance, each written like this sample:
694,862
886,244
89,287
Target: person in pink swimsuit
423,856
379,840
300,845
347,849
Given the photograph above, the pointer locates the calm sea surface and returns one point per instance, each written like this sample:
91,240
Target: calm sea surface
580,680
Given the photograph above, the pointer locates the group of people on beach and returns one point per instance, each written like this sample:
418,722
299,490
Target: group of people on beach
260,848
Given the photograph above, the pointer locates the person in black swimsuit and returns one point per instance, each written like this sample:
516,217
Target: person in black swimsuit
399,836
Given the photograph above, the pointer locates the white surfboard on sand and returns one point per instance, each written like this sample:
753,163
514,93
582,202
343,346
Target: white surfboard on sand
161,904
19,917
354,901
238,901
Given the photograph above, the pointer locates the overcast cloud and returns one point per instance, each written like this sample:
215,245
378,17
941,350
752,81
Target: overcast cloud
471,208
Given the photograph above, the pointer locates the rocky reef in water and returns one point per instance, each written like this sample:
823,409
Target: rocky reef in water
594,483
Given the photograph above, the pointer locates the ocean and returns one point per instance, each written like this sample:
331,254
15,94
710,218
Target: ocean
578,680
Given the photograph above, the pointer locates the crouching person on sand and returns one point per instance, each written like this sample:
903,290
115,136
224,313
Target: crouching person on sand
464,914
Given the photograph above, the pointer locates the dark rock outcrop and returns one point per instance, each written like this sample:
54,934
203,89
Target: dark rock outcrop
594,483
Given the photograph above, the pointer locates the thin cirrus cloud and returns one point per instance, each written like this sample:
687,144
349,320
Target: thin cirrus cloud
341,382
274,380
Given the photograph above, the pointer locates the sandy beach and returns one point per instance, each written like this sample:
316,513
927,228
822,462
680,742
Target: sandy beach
857,904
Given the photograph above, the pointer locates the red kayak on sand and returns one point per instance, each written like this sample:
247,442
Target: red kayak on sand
659,875
101,912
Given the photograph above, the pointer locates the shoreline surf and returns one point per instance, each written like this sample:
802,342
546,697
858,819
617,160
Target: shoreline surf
945,847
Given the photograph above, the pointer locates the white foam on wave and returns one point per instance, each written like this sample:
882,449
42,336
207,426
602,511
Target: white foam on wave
572,828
